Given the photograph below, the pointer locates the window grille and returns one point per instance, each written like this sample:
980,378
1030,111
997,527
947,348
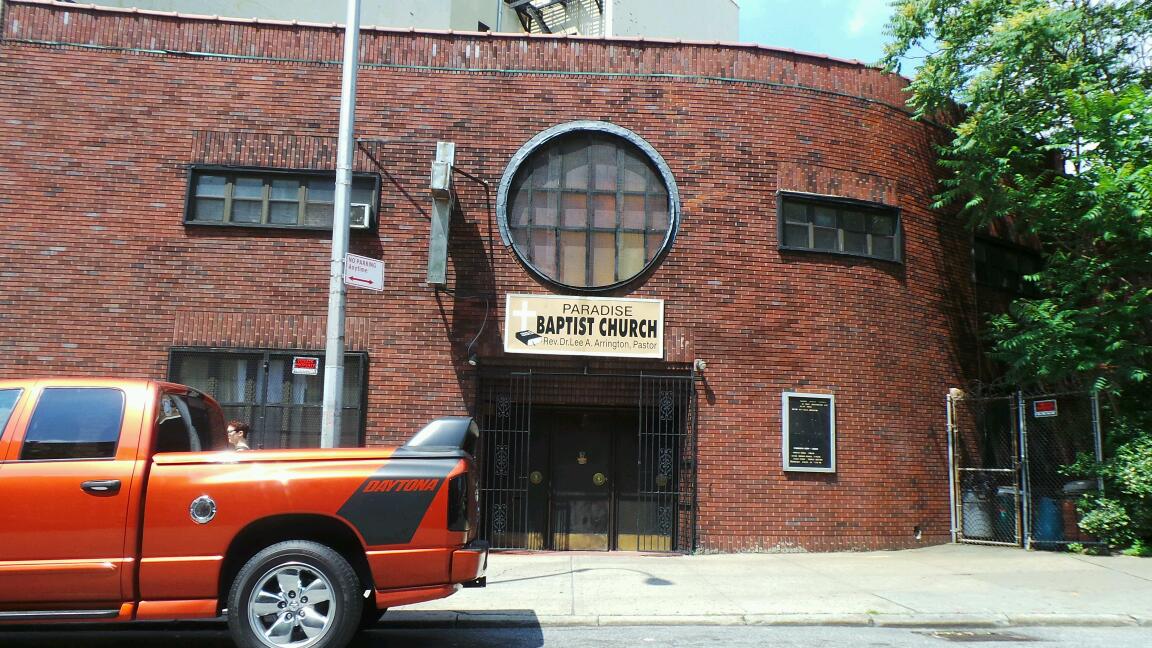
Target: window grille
258,387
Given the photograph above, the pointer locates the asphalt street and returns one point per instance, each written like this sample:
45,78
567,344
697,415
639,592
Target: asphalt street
214,635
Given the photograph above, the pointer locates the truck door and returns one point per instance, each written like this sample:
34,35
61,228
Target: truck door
66,483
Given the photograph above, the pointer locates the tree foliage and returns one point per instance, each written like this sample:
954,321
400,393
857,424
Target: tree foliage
1052,121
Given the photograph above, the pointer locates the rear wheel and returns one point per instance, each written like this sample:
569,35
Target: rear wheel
295,594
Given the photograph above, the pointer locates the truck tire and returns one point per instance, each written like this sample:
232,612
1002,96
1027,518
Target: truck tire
295,594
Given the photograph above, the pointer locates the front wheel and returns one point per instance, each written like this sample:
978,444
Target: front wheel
295,594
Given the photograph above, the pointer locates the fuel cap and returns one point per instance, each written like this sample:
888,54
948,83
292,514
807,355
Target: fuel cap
203,509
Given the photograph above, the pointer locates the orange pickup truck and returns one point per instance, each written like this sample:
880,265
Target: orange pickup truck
121,502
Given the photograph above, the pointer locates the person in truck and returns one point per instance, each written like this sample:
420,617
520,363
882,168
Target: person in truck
238,435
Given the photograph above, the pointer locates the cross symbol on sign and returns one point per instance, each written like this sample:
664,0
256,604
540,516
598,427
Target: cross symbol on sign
525,315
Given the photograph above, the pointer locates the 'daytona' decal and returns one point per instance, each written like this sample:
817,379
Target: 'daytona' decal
389,506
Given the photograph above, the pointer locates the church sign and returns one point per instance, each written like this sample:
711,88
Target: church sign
588,326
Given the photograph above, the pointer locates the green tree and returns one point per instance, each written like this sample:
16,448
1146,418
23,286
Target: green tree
1052,122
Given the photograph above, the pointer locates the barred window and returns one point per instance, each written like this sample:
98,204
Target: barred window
588,206
274,198
839,226
260,388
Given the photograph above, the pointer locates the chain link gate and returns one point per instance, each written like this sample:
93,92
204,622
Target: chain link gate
654,507
986,470
1007,459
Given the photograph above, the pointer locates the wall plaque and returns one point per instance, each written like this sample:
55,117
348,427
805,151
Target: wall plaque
809,432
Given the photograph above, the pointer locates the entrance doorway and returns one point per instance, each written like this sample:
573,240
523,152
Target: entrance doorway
590,459
587,462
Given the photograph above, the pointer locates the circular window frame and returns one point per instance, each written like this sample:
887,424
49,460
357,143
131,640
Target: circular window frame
542,139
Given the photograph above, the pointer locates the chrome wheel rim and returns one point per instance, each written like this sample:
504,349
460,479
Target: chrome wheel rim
291,606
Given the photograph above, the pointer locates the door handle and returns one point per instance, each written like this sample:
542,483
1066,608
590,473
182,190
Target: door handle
101,486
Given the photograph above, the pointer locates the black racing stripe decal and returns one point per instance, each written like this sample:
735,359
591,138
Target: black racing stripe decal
389,506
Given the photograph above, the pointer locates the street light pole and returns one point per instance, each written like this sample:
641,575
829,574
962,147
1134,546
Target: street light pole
337,291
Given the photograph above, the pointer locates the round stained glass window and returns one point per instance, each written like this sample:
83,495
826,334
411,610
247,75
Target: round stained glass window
588,205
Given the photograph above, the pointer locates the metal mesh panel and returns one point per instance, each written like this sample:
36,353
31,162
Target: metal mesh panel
987,470
1057,428
258,387
1010,456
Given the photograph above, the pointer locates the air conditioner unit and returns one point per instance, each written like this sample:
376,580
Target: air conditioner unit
360,216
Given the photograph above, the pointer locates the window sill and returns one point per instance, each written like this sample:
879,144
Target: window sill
850,255
266,226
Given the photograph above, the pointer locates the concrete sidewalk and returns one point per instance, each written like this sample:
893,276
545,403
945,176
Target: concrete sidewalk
949,585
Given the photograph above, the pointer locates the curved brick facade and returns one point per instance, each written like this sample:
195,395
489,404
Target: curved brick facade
104,111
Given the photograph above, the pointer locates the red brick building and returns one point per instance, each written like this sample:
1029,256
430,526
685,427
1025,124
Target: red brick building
165,208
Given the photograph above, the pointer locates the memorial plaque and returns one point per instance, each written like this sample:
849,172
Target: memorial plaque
809,432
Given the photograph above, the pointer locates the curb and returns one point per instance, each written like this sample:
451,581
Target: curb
940,620
1099,620
528,618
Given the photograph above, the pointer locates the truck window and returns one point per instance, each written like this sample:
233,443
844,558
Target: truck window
74,423
208,422
8,398
185,425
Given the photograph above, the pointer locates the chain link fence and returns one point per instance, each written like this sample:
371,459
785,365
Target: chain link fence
1009,455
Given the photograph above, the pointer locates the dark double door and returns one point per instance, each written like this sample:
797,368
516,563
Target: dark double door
592,462
583,467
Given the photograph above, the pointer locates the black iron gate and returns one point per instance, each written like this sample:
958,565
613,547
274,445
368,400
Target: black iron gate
1008,466
654,511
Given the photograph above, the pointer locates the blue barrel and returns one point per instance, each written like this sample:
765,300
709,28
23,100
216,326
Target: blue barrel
1047,522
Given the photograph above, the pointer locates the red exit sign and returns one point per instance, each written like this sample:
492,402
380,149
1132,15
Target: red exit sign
305,366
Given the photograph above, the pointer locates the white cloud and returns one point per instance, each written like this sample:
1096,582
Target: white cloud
866,14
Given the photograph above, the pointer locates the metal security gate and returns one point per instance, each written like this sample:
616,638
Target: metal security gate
1008,462
260,387
503,414
649,493
666,465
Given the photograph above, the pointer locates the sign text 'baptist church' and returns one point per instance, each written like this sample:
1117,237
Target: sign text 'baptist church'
592,326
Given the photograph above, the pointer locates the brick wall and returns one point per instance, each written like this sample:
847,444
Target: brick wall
104,111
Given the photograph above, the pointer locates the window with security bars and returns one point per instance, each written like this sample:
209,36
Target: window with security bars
588,210
260,388
839,226
274,198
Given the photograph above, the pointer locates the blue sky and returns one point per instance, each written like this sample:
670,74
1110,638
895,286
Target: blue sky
851,29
